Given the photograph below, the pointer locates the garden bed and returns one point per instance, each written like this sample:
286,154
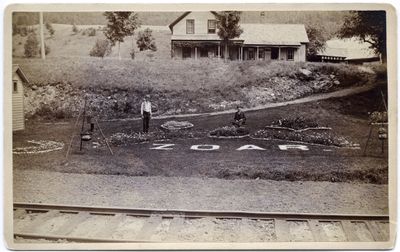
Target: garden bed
177,125
229,132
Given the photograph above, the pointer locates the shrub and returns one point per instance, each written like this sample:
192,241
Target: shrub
101,48
296,123
50,28
91,32
74,29
31,46
145,40
46,49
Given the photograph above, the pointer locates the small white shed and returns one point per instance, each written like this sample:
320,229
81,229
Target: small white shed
18,80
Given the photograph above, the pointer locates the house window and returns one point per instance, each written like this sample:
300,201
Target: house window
15,86
261,53
212,26
290,54
190,26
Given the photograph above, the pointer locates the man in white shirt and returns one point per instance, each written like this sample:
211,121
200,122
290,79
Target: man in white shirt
145,111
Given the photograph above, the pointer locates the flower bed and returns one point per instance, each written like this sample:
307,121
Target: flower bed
41,146
229,132
297,123
378,117
312,136
177,125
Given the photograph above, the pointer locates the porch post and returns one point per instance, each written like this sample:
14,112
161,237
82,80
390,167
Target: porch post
258,50
219,50
239,53
279,53
195,52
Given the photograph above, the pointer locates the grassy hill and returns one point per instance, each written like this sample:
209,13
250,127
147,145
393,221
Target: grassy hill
66,44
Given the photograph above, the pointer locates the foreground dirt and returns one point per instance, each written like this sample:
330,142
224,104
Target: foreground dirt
199,193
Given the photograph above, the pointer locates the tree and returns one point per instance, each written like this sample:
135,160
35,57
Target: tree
367,26
317,41
101,48
228,27
120,25
31,46
145,40
50,28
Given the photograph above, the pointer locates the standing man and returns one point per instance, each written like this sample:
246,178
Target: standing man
145,110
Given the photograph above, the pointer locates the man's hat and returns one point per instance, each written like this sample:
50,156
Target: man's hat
147,96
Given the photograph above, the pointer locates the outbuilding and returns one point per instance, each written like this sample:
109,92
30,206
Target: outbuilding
18,81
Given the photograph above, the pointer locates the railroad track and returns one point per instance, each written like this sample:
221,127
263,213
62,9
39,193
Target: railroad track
101,224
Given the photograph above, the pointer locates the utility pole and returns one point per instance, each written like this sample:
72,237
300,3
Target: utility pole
42,49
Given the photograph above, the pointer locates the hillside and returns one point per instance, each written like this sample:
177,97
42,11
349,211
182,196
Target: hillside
66,44
328,21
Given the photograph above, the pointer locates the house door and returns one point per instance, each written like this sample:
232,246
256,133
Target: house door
274,53
186,52
251,55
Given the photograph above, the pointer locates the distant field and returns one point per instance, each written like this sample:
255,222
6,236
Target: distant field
66,44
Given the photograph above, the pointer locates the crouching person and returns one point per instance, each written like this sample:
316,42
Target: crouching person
240,118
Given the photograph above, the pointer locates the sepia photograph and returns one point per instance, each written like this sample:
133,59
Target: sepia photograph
200,126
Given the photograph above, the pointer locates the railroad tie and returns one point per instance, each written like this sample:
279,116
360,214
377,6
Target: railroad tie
40,219
149,228
176,224
69,226
112,225
375,231
348,229
316,230
282,230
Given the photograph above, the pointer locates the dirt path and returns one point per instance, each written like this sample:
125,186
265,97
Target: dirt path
199,193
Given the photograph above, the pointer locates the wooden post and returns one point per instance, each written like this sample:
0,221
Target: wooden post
257,51
42,48
195,52
279,53
219,50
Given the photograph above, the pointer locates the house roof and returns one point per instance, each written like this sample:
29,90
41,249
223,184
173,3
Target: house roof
274,34
349,48
17,69
171,26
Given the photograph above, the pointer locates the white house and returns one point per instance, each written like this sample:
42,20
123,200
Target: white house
18,80
194,35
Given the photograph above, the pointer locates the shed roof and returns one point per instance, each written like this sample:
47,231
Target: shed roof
17,69
349,48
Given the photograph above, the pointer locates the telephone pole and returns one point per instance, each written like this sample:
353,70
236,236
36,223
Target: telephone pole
42,49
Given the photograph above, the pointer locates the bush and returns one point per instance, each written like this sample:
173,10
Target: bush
75,29
91,32
145,40
46,49
50,28
31,46
101,48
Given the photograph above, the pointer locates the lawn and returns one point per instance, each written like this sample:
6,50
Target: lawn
347,116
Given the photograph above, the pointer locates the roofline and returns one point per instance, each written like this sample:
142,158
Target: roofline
171,26
19,71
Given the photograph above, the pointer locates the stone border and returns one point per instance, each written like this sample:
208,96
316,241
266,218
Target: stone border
299,130
300,142
228,137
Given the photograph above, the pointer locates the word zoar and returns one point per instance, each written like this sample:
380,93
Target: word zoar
214,147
